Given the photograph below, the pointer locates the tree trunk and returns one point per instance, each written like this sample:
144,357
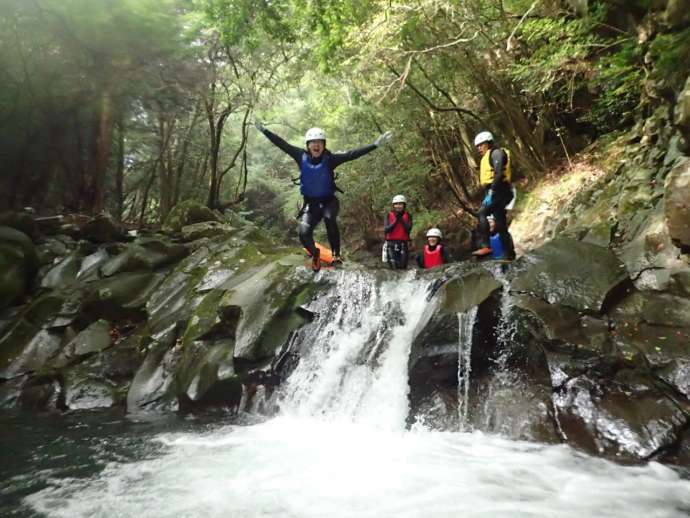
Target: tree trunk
120,171
92,198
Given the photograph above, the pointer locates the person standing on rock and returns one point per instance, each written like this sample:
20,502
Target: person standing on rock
397,225
495,175
317,185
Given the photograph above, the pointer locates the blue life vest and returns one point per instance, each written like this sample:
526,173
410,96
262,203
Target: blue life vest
316,180
496,246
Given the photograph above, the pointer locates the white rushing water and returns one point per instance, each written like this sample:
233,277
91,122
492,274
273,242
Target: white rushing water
340,447
465,326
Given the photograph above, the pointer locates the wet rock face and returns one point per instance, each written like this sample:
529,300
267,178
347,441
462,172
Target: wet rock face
571,273
677,204
629,418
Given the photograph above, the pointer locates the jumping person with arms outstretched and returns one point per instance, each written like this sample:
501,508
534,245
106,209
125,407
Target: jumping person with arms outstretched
317,185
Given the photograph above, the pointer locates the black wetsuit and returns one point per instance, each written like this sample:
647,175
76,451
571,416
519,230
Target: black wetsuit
322,207
502,195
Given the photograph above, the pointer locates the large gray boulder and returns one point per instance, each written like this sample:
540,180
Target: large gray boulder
571,273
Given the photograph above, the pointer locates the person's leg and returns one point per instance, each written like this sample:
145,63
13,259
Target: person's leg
311,216
330,215
482,234
404,255
498,208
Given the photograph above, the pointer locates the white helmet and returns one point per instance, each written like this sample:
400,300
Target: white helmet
399,199
314,134
434,232
484,136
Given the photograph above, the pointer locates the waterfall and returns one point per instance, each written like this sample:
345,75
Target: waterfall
465,325
354,355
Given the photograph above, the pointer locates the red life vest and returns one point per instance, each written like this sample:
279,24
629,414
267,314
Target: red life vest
432,258
398,233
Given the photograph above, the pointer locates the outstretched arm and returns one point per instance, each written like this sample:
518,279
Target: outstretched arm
293,151
341,158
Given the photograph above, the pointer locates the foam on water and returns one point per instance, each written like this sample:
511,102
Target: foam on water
304,467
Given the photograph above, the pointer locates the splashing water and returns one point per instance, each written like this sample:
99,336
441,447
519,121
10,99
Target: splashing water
354,357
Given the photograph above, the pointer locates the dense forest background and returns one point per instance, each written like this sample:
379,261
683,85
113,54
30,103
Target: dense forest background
131,106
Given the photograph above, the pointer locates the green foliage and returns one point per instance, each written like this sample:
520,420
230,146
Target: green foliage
618,82
555,60
671,54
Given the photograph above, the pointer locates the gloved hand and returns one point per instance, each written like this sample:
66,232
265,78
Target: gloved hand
259,125
383,139
398,215
488,198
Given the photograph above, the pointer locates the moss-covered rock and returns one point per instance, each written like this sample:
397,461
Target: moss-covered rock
121,296
187,213
677,203
154,385
18,264
144,254
102,229
93,339
209,229
29,342
21,221
261,302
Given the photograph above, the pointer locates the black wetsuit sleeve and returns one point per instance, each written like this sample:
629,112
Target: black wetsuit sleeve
294,151
445,255
387,227
420,259
341,158
408,226
499,160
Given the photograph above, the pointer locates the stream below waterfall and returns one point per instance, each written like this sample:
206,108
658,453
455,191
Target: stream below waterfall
335,444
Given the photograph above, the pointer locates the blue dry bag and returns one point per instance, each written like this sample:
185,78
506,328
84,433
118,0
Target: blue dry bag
496,246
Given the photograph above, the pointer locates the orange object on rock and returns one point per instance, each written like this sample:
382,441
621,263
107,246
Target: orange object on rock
325,254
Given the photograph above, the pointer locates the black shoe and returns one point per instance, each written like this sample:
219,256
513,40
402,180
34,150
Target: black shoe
337,260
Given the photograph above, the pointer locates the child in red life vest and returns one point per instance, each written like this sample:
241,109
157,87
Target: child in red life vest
434,253
397,225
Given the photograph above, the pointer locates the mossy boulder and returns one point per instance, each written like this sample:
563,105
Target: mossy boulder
30,341
18,264
21,221
677,203
121,296
154,386
571,273
209,229
264,304
144,254
187,213
102,229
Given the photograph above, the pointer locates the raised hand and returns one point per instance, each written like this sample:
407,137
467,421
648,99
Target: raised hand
383,139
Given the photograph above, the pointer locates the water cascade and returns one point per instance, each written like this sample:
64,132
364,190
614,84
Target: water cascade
465,327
